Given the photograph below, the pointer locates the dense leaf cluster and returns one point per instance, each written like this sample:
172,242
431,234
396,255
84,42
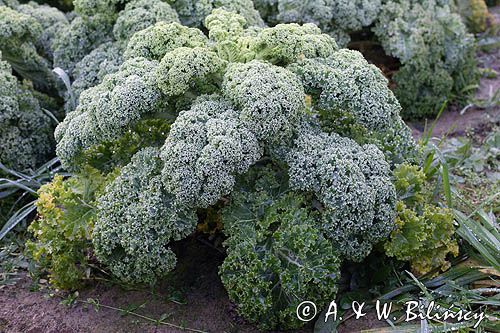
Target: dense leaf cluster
25,130
436,52
425,233
239,97
63,230
176,109
271,267
428,37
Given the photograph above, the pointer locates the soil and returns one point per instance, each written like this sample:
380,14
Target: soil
193,296
453,124
205,303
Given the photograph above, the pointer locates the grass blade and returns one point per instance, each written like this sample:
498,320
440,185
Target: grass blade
479,237
446,182
17,218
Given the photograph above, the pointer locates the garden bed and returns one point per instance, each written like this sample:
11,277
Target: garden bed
192,297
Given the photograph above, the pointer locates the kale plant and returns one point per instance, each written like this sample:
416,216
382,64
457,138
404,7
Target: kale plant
232,105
